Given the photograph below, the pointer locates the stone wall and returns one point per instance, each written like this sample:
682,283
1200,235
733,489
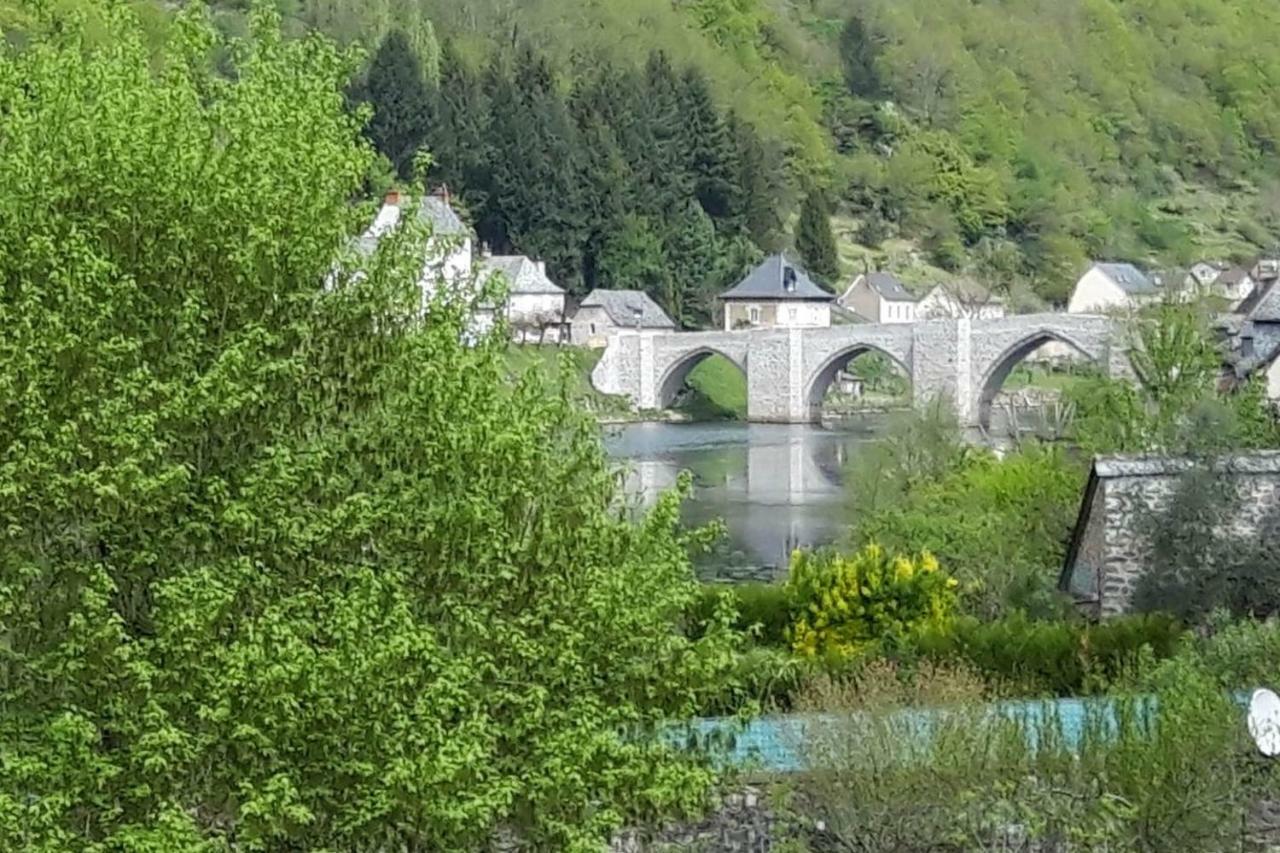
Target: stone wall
1127,502
788,369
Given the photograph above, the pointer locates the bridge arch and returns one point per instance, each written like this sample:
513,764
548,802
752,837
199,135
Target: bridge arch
817,385
677,373
994,377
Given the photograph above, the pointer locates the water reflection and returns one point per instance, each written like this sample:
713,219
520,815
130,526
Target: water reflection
777,487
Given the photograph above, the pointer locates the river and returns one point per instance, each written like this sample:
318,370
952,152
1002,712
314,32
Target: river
776,487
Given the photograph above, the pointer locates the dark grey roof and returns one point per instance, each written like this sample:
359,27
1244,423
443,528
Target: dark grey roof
768,281
1128,277
1267,308
625,307
889,287
444,220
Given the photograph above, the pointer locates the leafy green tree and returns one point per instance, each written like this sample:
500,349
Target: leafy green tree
814,240
762,182
284,565
397,90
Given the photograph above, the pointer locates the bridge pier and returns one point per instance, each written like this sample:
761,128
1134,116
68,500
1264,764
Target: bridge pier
788,370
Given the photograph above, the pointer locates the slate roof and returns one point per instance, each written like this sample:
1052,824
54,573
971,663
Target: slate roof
623,307
523,275
889,287
1267,308
766,282
444,220
1235,275
1128,277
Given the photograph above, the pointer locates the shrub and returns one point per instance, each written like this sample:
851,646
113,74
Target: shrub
1049,657
841,605
762,610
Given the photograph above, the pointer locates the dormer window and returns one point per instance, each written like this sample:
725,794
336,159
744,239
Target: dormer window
789,279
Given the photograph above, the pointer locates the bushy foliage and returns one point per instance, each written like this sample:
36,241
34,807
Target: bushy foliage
841,605
1172,771
1060,657
762,610
1001,525
285,565
815,243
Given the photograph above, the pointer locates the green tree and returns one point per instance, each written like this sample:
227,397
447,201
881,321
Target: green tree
814,240
285,566
397,90
710,153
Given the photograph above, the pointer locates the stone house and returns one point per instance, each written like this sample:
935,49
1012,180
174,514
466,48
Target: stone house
1110,551
879,297
1257,339
1204,273
959,300
608,312
1110,286
778,294
535,304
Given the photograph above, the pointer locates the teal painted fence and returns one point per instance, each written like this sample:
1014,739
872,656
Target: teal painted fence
776,743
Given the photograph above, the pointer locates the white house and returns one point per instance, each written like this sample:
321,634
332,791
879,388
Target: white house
777,294
608,312
534,304
448,251
1109,286
960,300
879,297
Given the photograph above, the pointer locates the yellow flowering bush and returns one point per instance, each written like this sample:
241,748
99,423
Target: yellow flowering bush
840,604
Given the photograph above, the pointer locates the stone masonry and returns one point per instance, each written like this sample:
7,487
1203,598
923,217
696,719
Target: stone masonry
788,370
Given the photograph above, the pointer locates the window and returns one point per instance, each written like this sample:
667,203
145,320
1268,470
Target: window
753,314
792,314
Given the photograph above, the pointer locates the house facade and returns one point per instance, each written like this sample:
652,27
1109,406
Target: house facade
960,300
879,297
1109,287
1111,552
776,294
610,312
535,305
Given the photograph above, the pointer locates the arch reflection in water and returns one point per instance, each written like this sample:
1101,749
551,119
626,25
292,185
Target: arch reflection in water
776,487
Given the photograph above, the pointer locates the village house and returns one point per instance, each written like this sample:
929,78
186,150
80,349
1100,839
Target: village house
1111,286
879,297
608,312
534,303
1111,552
1204,273
776,294
1256,337
960,300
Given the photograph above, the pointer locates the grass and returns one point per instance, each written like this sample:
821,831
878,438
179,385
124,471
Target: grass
719,391
570,364
1035,376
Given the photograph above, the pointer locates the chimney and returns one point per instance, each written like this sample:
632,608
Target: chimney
542,266
392,197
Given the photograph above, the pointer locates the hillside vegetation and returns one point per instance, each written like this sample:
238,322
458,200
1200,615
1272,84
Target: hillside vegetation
1009,140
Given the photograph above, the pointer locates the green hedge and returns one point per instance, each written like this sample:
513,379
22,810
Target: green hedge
1061,658
762,610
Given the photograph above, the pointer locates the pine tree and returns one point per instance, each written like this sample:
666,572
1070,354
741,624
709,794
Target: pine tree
814,240
396,88
762,181
709,151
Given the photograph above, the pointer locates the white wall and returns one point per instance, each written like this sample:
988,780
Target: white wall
591,327
1273,380
892,311
804,315
1094,293
940,304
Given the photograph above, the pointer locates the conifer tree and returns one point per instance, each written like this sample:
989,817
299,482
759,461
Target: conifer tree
396,87
814,240
710,153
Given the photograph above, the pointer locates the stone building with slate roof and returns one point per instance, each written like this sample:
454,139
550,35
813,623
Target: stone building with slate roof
1109,286
777,294
535,304
1110,551
879,297
607,312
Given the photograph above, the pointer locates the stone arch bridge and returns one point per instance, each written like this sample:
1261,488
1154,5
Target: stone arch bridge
789,370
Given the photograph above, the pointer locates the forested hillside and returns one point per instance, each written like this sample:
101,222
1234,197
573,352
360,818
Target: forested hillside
1009,140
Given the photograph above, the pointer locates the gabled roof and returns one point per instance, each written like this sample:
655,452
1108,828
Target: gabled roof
778,278
629,308
1235,275
1128,278
1266,309
445,222
523,275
